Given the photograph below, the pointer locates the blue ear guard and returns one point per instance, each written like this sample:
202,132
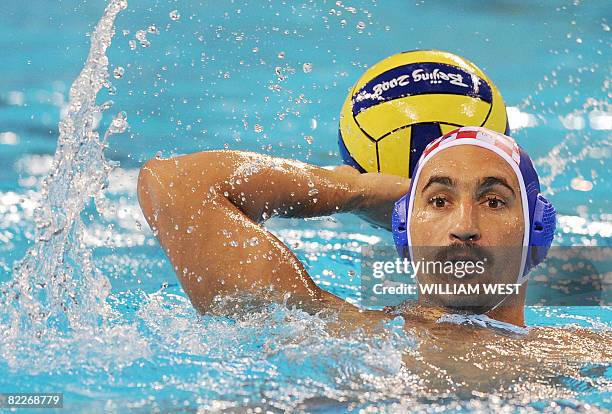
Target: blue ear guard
541,233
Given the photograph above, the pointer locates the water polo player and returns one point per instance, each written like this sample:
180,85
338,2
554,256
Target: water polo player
473,190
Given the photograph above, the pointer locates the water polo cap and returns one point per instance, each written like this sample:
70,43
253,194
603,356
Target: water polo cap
539,217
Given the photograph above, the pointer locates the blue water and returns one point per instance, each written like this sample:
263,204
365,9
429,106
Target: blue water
205,82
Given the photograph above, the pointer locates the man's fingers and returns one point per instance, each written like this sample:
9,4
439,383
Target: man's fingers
346,169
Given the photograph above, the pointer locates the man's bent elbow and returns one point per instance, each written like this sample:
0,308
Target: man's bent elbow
150,187
176,182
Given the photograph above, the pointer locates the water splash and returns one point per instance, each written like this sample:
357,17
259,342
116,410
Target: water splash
55,287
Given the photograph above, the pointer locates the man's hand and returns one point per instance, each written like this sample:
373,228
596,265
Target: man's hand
346,170
382,191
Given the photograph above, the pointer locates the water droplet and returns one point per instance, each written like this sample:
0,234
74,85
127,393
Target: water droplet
313,124
580,184
158,155
258,128
111,89
279,72
281,55
106,106
189,230
132,44
226,194
253,241
343,23
605,27
313,191
309,139
118,72
307,67
175,15
361,25
141,36
153,30
351,273
234,243
119,124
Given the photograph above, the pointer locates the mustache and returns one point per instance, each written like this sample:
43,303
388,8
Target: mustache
464,252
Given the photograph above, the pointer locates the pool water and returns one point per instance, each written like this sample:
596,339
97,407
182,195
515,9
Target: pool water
271,77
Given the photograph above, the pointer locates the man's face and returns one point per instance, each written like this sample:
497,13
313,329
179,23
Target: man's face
467,208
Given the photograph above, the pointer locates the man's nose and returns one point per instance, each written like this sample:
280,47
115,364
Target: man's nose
466,226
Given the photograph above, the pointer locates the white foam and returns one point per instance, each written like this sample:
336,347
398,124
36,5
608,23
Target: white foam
483,321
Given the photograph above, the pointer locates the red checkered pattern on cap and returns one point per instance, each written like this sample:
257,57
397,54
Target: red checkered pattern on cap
503,142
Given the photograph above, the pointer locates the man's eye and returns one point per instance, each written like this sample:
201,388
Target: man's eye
438,202
495,203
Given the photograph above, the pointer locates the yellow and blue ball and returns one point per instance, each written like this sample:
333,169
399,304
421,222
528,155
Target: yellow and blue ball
405,101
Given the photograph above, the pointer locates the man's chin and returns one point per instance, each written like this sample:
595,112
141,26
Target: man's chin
464,304
476,309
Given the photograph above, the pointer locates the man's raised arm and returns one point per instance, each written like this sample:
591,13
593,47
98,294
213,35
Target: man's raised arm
205,208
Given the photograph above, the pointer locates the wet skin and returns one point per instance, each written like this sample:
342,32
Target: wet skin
206,209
